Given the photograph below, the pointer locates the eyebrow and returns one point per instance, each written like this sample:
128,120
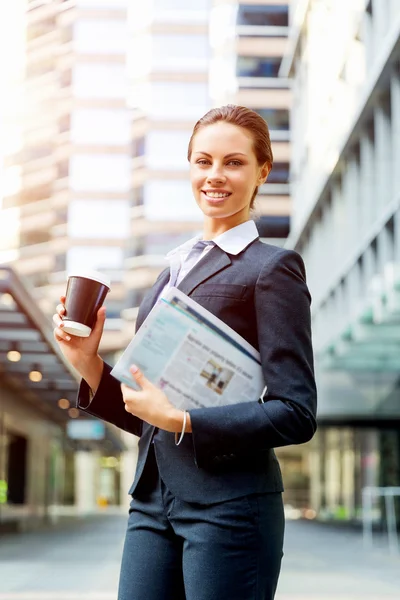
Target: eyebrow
227,156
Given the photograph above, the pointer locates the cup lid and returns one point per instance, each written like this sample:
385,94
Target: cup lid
89,274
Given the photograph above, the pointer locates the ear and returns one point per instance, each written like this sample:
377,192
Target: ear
263,174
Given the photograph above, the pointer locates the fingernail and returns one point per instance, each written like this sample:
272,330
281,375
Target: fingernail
134,369
68,338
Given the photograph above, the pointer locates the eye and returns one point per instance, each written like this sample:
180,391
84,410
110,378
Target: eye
235,163
202,161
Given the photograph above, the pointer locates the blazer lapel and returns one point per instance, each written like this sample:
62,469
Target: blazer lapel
151,297
213,262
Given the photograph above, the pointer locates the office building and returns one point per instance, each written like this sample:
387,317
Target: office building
67,199
168,93
344,60
248,40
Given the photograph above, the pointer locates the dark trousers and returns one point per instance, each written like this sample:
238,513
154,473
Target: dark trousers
175,550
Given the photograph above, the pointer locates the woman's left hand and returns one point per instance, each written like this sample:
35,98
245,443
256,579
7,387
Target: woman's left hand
151,404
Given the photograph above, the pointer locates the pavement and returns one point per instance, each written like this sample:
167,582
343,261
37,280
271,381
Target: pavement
79,560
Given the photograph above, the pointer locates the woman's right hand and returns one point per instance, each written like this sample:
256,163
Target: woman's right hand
79,351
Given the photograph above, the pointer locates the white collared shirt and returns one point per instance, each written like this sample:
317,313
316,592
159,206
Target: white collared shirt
232,241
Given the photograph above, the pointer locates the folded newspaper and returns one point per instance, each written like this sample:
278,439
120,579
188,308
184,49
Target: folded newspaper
192,355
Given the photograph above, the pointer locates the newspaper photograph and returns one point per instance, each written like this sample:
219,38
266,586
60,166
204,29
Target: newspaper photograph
192,355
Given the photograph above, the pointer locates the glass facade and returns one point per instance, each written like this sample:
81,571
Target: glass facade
276,118
273,226
344,460
279,173
258,66
273,15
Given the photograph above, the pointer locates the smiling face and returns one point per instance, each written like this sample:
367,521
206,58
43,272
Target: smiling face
224,173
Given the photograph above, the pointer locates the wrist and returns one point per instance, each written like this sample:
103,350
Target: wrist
91,371
176,420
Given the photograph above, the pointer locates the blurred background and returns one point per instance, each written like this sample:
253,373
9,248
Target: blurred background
98,100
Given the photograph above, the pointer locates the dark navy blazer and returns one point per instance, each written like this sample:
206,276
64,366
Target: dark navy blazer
262,294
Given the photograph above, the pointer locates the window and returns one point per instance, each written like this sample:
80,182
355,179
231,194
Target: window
173,100
274,15
107,218
100,80
258,66
97,258
167,149
279,173
100,126
276,118
101,36
177,52
100,172
273,226
170,201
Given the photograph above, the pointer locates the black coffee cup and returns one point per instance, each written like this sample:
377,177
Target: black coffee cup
86,292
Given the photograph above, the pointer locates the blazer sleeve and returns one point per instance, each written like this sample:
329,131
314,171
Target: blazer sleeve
288,414
107,403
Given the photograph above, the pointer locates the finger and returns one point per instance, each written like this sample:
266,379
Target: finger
60,309
139,377
99,325
60,335
126,389
129,393
62,299
58,321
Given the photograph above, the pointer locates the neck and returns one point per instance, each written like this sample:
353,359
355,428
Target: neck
214,227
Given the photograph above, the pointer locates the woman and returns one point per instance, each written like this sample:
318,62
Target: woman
206,519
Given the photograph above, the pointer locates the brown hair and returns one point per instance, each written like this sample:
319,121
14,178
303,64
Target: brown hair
247,119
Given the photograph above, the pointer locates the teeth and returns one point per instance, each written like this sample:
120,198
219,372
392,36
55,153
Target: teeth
217,195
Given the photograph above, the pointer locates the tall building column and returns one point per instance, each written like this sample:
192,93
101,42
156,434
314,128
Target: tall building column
380,17
396,235
367,179
352,202
395,112
383,158
86,481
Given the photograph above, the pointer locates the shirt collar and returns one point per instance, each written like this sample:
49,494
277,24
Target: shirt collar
233,241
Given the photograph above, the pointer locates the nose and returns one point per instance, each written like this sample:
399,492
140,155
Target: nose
215,175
